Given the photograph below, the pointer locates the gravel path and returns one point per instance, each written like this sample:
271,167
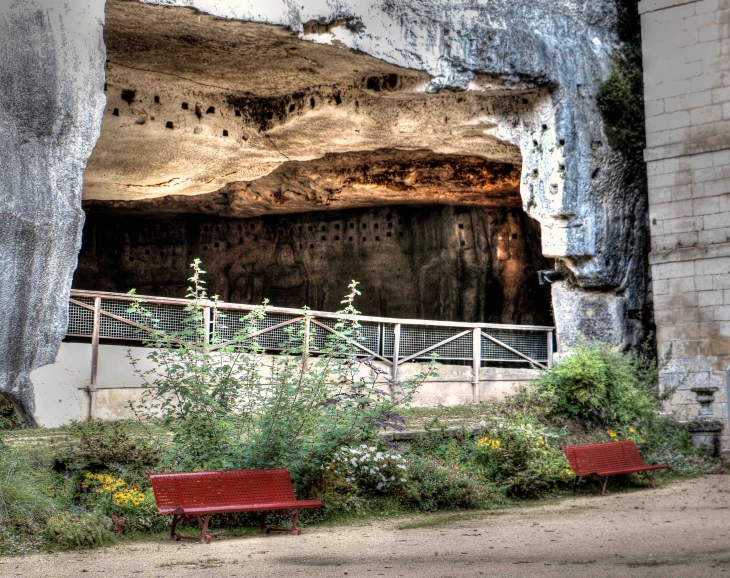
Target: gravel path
679,530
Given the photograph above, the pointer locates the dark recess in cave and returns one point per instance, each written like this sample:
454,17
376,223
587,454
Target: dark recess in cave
446,263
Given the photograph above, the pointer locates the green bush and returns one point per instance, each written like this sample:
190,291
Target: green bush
440,485
601,387
522,457
9,418
665,441
85,530
102,445
25,502
226,409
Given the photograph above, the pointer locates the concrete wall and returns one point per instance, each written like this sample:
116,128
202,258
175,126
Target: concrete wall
61,387
686,47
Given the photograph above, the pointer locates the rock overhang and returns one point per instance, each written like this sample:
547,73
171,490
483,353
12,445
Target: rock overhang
257,107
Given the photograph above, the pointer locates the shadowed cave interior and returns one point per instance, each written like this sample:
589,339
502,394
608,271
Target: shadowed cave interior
435,262
293,167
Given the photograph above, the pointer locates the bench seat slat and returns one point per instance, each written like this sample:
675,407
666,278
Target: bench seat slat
644,468
199,510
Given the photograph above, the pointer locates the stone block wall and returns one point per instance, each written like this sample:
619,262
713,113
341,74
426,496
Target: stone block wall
686,46
61,387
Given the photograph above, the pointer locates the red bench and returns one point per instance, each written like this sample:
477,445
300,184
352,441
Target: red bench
606,460
199,495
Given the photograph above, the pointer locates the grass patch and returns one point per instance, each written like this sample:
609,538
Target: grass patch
440,519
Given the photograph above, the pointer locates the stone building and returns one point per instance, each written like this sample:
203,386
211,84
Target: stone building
686,47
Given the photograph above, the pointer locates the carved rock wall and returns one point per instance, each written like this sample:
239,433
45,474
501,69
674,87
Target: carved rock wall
434,262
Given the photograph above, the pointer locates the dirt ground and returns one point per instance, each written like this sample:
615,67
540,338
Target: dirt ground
678,530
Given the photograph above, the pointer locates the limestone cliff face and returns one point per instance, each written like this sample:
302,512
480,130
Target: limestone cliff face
238,109
52,79
434,262
589,201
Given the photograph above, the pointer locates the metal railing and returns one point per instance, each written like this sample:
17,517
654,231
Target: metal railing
100,315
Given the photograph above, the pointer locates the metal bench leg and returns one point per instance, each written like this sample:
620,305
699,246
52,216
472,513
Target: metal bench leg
575,484
650,477
264,528
175,520
603,483
293,516
204,537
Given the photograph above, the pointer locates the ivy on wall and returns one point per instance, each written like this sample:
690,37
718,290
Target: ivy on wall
621,95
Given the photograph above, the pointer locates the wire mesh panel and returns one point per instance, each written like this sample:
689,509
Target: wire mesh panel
80,319
170,319
415,338
368,335
376,336
533,344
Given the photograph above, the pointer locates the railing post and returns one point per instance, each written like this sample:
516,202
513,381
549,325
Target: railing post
549,349
94,358
396,351
206,325
476,362
305,350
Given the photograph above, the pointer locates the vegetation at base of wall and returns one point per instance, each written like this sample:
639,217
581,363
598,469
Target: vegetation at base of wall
620,96
9,418
26,501
227,408
323,427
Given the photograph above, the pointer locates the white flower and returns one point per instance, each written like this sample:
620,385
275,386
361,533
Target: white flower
372,449
364,446
353,461
402,467
392,478
403,480
380,486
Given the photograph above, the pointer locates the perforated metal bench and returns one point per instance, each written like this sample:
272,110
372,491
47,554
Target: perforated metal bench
606,460
199,495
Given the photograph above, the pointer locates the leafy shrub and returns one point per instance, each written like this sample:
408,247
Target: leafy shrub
25,502
663,440
522,457
371,469
9,418
227,409
102,445
83,530
600,387
439,485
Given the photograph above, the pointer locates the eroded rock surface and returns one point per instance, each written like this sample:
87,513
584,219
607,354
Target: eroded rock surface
435,262
52,77
254,108
243,109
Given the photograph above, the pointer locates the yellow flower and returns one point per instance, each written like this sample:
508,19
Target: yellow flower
485,442
612,434
121,498
632,430
642,441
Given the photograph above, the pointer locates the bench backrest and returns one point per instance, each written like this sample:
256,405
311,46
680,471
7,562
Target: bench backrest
210,489
608,457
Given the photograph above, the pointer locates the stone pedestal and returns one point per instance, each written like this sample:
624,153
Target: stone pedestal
704,428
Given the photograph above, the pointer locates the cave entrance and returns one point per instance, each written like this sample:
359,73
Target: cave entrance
435,262
292,167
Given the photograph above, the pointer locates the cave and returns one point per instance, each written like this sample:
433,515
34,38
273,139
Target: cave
301,167
153,119
437,262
